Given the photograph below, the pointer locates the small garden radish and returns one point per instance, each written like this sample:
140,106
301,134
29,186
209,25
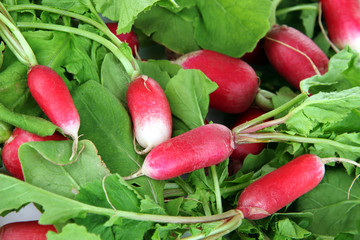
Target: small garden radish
242,150
198,148
294,55
237,80
280,187
347,30
150,112
52,95
30,230
10,156
129,37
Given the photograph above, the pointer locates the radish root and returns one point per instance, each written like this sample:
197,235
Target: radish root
139,173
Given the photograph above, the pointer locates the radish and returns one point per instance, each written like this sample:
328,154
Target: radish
343,22
294,55
129,37
198,148
10,155
52,95
237,80
280,187
150,112
30,230
242,150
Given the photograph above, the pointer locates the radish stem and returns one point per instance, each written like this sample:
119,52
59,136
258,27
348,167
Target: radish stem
216,189
128,65
270,114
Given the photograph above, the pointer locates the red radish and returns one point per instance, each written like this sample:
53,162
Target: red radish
30,230
129,37
237,80
280,187
294,55
150,112
342,19
198,148
10,155
242,150
52,95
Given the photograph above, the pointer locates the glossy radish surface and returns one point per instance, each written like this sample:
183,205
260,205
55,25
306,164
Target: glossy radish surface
30,230
294,55
280,187
198,148
150,112
237,80
52,95
342,19
10,156
242,150
129,37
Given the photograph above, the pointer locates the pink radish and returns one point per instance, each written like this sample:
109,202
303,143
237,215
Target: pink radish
52,95
280,187
242,150
237,81
30,230
150,112
294,55
10,155
343,22
198,148
129,37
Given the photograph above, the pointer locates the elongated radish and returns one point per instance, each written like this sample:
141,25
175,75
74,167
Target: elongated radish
52,95
10,156
280,187
343,22
150,112
129,37
30,230
237,80
294,55
242,150
198,148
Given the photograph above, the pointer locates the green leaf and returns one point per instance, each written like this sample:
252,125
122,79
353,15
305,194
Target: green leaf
75,6
173,206
105,122
333,212
309,17
5,131
114,77
342,74
231,27
324,108
46,165
290,229
188,95
72,231
36,125
14,91
124,12
169,29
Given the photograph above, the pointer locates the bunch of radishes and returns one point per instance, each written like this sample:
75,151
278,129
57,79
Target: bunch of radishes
169,157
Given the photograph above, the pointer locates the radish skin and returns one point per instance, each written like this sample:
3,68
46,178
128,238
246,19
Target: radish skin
150,112
280,187
343,22
52,95
30,230
198,148
237,80
10,156
294,55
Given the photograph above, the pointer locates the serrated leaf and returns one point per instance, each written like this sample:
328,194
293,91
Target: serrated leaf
72,231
